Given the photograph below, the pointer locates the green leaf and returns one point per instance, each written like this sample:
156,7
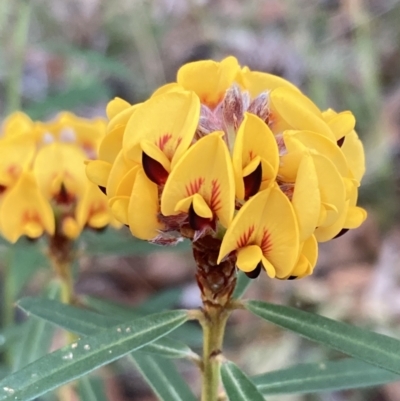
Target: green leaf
242,283
368,346
237,385
85,322
162,377
36,337
189,333
91,388
318,377
87,354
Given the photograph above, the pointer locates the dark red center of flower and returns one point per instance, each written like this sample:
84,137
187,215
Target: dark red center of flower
252,182
197,222
154,170
64,197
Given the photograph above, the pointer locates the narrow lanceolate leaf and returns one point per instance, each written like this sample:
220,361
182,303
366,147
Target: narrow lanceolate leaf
242,284
237,385
374,348
318,377
85,322
87,354
91,389
162,377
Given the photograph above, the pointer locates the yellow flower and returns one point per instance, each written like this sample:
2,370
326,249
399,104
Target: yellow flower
43,185
240,162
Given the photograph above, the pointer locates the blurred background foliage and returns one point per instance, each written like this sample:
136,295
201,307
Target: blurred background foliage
77,54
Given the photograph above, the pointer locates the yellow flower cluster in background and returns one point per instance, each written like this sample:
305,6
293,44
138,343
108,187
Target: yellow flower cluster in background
43,185
241,156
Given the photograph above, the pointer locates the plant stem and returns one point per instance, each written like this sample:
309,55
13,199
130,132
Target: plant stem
213,335
19,41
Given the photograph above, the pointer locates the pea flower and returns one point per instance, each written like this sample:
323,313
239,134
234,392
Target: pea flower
240,162
43,185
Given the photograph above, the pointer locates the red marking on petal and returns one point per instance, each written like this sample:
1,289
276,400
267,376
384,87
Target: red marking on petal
340,142
244,238
64,197
194,186
197,222
154,170
341,232
215,201
255,273
252,182
163,140
266,244
3,189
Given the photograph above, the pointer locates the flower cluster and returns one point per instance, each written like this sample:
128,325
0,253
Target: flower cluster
43,185
242,157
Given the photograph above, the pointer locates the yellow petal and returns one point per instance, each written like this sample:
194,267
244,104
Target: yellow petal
248,258
253,139
266,220
171,87
119,169
111,145
116,106
306,198
92,208
98,172
119,207
331,187
143,208
70,228
25,211
122,118
16,155
256,82
60,163
126,184
209,79
340,123
16,124
205,169
169,121
293,110
355,217
323,234
295,140
354,152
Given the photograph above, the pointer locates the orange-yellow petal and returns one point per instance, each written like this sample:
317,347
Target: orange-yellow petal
341,124
116,106
256,82
98,172
143,208
209,79
293,110
168,121
205,169
306,198
60,163
253,139
25,211
119,169
267,220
